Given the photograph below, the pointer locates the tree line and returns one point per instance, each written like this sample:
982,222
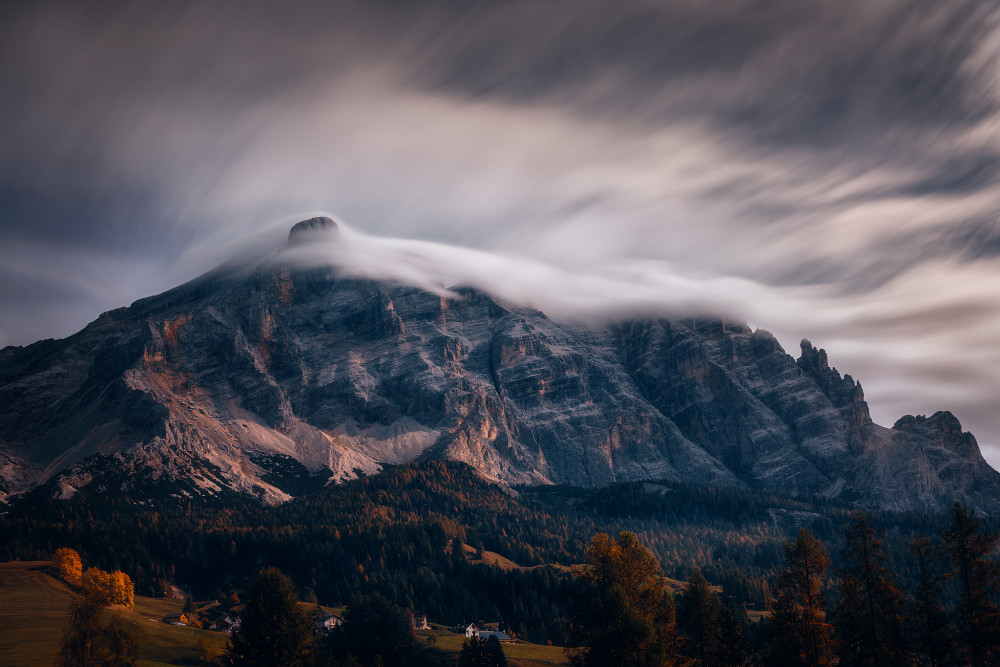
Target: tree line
859,617
389,534
275,631
623,611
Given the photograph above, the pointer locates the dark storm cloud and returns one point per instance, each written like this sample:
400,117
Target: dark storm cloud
827,169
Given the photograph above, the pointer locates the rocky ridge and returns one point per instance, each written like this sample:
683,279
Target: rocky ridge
227,383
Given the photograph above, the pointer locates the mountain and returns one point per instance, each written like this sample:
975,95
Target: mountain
262,381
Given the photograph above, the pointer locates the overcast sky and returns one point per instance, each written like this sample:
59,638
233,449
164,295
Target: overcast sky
828,170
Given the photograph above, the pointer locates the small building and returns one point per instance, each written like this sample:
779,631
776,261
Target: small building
328,622
471,630
420,621
225,624
490,627
176,619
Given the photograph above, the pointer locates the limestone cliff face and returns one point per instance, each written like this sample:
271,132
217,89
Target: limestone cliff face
216,385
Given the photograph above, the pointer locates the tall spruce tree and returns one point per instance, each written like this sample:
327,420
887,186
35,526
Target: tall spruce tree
698,619
497,658
479,653
799,633
624,614
473,653
970,550
869,612
376,631
927,618
733,650
273,631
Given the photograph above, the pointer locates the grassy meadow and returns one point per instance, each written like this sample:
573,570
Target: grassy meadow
34,604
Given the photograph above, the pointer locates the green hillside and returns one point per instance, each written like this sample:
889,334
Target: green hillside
33,608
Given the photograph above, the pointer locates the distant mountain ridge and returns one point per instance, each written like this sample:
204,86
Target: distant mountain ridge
226,383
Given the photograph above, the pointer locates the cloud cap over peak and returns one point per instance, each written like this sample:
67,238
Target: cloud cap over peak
824,169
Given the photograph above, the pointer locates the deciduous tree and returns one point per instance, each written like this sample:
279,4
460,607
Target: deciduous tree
89,642
69,565
624,614
799,633
97,582
121,589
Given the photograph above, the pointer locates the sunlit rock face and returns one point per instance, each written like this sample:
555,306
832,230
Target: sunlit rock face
230,384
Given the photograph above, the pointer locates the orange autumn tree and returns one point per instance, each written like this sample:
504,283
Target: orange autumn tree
97,582
70,567
624,614
800,633
122,589
111,588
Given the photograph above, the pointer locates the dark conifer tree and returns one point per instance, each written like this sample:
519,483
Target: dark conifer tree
869,613
479,653
273,629
497,658
970,550
458,551
376,631
698,619
927,618
799,633
473,653
733,650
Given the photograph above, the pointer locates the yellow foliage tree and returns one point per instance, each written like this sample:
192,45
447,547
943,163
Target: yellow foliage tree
624,614
98,582
69,565
122,590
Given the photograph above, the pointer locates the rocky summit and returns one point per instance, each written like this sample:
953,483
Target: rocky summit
242,382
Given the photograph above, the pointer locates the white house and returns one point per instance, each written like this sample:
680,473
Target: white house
471,630
420,621
329,622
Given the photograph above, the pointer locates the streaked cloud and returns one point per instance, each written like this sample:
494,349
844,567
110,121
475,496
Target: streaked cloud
827,170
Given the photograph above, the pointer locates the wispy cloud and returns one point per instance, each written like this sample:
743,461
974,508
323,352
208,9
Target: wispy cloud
828,170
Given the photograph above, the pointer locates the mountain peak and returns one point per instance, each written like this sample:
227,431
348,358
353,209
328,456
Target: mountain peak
267,383
311,229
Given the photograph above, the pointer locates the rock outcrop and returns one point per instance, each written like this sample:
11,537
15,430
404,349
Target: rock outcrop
228,382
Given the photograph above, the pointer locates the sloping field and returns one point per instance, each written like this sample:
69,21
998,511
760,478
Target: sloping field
33,608
34,604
